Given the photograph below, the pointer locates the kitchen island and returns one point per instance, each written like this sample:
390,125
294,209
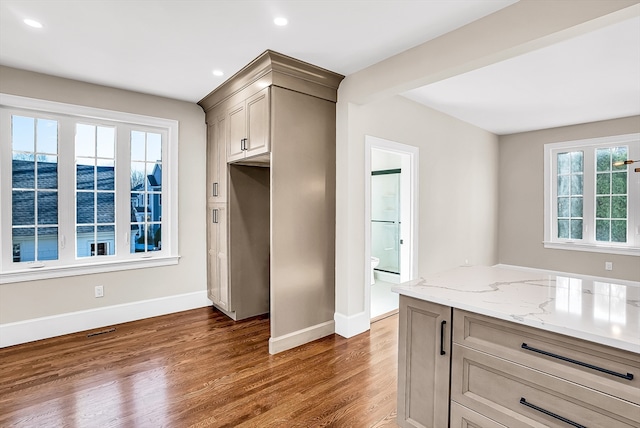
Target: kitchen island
515,347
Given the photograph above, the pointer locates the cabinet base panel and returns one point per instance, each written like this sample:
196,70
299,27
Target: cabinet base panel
230,314
300,337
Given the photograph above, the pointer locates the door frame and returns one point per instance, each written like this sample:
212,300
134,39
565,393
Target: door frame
412,153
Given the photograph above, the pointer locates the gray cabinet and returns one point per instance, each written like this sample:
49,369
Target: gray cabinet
520,376
248,127
463,417
279,165
423,364
216,160
503,374
217,276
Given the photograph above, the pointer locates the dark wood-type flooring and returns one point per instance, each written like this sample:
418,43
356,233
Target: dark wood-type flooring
198,368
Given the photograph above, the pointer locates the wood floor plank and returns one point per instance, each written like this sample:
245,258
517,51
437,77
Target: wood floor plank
199,368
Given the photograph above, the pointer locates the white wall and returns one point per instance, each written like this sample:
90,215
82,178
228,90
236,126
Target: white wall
24,301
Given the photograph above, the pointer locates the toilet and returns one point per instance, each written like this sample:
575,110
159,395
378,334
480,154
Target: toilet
374,263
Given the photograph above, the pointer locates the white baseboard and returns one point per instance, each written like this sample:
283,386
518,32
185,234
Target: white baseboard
73,322
349,326
300,337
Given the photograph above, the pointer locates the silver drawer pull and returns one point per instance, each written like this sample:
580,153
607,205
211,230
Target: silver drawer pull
553,415
627,376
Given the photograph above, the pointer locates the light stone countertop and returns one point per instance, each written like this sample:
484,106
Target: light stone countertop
600,310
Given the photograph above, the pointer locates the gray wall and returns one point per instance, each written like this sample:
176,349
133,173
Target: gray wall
27,300
458,180
302,212
521,213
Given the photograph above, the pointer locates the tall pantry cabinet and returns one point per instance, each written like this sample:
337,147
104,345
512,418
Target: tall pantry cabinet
271,197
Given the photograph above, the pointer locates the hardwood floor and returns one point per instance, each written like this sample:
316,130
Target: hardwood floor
200,369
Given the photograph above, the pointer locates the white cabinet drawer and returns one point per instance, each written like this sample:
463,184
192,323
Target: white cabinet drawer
596,366
519,396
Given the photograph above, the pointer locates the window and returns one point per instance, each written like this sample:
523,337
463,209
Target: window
95,187
81,190
592,196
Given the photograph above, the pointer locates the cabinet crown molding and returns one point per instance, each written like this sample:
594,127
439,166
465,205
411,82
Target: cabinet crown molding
273,68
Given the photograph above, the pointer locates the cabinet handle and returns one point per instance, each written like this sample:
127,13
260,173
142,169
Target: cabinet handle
215,189
628,376
553,415
215,216
243,144
442,326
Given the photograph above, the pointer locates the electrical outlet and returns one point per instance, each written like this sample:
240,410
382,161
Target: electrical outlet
608,265
99,291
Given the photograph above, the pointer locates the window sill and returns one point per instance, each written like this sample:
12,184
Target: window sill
573,246
43,273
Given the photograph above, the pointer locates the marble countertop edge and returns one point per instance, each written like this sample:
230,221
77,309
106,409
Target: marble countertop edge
494,291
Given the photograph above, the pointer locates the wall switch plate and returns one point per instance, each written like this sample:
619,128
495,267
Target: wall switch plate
99,291
608,265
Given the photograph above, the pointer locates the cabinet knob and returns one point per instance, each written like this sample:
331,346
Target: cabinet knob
243,144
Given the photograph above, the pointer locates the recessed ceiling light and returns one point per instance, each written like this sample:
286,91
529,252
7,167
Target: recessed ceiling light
280,21
32,23
218,73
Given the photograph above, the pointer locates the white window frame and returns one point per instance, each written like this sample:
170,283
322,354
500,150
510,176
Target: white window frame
168,255
588,242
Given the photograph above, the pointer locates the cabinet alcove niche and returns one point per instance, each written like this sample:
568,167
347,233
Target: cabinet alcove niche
271,197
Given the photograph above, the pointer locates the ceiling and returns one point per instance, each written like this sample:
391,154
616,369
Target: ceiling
170,48
595,76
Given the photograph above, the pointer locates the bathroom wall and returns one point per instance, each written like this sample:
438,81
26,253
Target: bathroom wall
381,159
385,210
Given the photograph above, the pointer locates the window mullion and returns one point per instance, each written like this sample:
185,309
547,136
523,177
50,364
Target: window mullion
66,190
634,196
554,196
123,191
589,192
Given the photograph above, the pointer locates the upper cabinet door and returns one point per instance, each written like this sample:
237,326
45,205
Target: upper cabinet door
248,128
213,184
220,191
236,135
217,159
258,124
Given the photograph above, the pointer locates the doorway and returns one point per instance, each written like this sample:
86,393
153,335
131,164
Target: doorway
391,232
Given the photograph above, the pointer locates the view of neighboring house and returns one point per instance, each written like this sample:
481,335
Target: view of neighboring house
35,210
147,212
